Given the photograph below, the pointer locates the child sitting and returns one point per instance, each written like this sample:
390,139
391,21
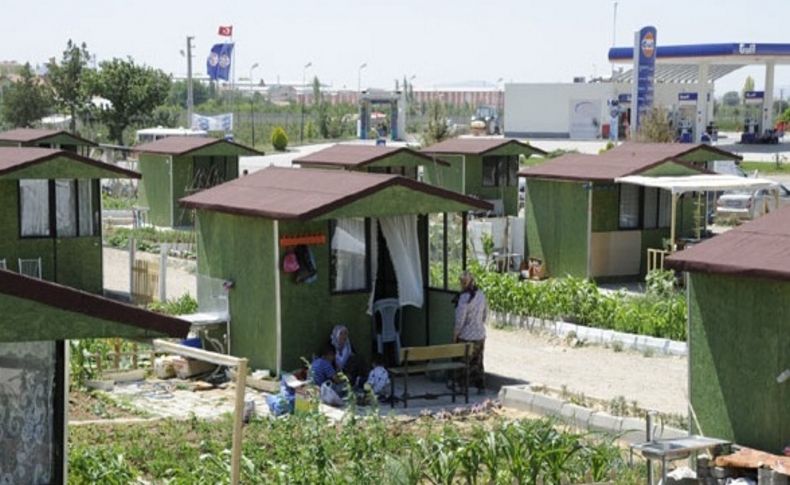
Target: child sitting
379,378
323,368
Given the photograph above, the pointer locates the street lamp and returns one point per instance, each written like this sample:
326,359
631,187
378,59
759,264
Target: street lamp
190,96
359,76
304,77
252,104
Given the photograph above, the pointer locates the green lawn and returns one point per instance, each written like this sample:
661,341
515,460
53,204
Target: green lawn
766,168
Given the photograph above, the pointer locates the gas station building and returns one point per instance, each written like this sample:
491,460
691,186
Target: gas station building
684,84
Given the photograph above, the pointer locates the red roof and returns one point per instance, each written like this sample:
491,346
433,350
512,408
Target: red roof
16,158
477,146
182,145
30,135
344,155
760,249
303,193
627,159
88,304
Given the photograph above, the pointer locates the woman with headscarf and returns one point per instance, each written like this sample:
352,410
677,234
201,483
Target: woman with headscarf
471,313
345,360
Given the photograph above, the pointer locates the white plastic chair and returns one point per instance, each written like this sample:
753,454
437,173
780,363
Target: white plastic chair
387,308
30,267
2,264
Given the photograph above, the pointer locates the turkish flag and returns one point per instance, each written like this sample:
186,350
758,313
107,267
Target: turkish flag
226,30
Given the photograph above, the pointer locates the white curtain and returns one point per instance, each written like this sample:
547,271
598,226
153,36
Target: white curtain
65,208
85,205
404,249
374,262
34,199
348,248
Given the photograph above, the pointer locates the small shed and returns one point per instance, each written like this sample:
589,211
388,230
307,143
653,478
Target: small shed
369,236
581,221
482,167
371,158
50,212
38,316
738,289
46,138
178,166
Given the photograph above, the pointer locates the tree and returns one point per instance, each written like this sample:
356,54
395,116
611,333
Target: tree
178,93
437,129
731,98
654,127
68,81
748,85
133,91
25,101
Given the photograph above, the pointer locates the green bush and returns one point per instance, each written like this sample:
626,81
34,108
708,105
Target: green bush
279,139
580,301
183,305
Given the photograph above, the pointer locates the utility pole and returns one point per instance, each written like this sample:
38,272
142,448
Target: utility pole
304,87
190,92
614,33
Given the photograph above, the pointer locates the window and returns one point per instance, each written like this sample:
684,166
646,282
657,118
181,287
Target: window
446,255
34,208
629,206
350,258
664,208
58,208
500,171
650,208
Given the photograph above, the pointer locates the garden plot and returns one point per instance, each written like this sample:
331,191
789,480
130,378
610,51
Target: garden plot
176,399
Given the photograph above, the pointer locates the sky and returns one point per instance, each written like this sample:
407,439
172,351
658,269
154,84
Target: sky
439,42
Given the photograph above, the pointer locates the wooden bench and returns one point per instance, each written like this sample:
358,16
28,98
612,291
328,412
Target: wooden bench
419,360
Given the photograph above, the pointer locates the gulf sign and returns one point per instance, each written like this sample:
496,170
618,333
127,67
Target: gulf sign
648,43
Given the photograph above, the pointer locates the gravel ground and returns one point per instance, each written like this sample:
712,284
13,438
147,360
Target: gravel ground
180,273
657,382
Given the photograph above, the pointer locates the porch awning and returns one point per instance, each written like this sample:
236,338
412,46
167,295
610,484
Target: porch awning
699,183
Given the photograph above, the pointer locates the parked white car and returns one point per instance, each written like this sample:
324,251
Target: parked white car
751,204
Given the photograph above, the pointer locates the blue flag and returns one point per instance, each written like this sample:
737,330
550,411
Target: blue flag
218,62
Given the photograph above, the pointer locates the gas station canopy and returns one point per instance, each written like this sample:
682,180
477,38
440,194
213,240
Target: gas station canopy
726,53
681,73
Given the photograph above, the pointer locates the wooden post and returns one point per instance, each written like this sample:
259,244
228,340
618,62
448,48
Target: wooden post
164,249
673,223
132,247
238,417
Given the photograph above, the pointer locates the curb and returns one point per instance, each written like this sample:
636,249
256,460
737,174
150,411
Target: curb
594,335
631,429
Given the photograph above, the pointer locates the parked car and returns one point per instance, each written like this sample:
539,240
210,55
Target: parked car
751,204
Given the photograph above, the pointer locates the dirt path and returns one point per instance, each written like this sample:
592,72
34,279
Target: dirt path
657,382
180,273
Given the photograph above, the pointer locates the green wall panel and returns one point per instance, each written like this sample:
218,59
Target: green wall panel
739,342
396,200
556,226
25,320
182,180
241,249
448,177
670,169
154,188
62,168
606,207
79,259
441,312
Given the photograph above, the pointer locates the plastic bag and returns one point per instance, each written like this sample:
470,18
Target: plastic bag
329,396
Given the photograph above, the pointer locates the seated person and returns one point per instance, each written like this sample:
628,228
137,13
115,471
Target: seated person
322,368
379,378
345,360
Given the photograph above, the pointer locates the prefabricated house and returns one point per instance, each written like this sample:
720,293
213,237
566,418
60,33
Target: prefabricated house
361,237
371,158
46,138
596,216
178,166
738,287
37,317
51,214
486,168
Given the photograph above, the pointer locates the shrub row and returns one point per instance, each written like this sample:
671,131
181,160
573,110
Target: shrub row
658,313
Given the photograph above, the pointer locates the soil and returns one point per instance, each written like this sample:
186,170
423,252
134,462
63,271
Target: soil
87,406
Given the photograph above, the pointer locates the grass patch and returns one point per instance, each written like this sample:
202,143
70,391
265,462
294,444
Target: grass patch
766,168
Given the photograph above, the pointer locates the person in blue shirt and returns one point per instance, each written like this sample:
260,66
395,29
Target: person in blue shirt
322,368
